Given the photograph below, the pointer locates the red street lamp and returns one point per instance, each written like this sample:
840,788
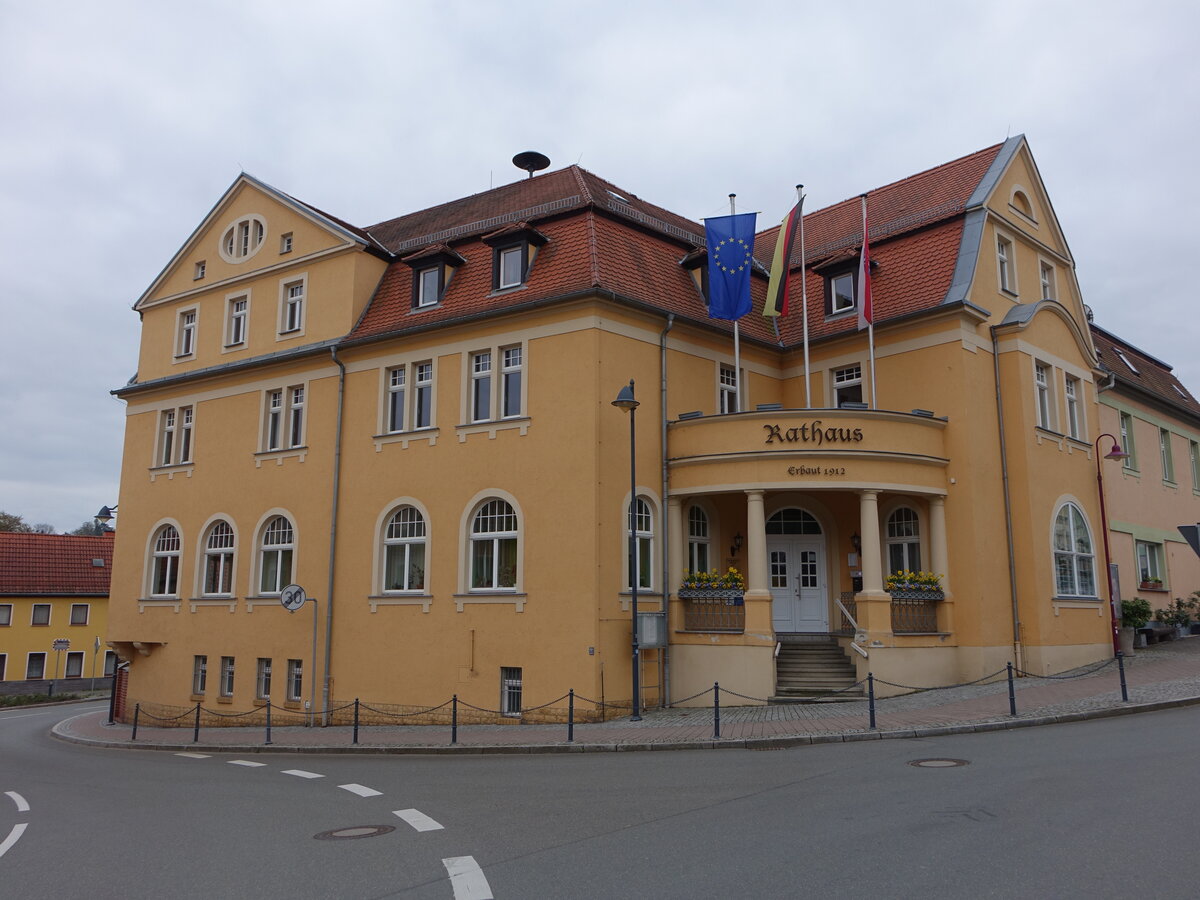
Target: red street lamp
1115,453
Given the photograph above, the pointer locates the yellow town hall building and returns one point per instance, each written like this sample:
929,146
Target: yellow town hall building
414,422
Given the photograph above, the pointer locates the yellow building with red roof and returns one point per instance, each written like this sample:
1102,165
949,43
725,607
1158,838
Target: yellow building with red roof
413,421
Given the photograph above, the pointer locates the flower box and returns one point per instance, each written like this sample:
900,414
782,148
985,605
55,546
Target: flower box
731,596
917,594
1151,586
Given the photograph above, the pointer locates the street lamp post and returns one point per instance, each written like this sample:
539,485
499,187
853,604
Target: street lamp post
1115,453
625,400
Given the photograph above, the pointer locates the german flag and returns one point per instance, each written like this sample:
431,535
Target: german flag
776,303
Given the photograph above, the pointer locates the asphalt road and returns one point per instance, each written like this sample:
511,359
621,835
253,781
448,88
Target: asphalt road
1093,809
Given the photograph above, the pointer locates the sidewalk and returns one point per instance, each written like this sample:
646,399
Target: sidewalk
1159,677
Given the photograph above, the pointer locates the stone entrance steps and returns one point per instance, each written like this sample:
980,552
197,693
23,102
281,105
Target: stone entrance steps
810,667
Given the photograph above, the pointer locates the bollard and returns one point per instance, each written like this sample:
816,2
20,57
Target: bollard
112,696
137,711
454,719
871,697
1121,666
268,720
570,715
50,690
716,711
1012,692
356,720
196,728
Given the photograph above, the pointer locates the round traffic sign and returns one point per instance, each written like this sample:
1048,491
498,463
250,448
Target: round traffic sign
292,597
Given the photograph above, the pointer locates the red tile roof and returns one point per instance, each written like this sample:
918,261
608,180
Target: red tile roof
1152,375
54,564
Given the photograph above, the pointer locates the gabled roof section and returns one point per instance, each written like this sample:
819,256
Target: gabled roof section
37,565
1152,376
343,230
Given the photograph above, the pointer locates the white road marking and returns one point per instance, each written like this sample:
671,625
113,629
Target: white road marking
300,773
13,837
361,790
22,803
467,878
194,755
417,819
244,762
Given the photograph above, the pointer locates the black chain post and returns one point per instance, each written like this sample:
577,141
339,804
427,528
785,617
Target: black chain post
454,719
716,711
571,715
137,711
1121,666
268,720
196,727
871,698
1012,692
112,697
356,720
50,690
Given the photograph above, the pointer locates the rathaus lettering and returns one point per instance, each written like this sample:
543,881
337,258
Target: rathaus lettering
812,434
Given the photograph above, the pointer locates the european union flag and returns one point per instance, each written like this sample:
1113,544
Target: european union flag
730,242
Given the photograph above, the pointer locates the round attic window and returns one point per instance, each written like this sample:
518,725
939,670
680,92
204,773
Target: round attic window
243,239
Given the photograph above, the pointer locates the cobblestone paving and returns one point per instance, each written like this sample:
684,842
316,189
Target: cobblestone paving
1164,672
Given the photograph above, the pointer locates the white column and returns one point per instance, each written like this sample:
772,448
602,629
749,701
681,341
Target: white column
756,543
872,562
939,558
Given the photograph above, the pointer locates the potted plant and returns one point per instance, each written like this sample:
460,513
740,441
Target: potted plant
1151,584
906,585
1178,613
729,586
1135,614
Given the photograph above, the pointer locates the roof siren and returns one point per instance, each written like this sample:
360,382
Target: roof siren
531,161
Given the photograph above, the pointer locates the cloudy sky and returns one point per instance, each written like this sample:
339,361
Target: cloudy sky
123,122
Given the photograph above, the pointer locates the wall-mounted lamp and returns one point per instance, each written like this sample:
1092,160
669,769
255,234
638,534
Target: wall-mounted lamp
106,515
856,542
737,544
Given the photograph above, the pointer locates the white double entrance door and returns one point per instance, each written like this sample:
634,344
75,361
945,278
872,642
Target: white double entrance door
796,573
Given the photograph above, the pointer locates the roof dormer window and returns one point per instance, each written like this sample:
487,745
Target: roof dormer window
243,239
514,248
432,268
510,263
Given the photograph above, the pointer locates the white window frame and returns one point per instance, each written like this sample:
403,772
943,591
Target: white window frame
699,525
3,666
846,377
511,690
424,397
900,520
1149,556
295,680
187,327
1073,389
226,686
199,675
77,655
166,436
727,389
1125,359
481,386
282,548
1044,406
395,410
175,436
405,537
1128,444
201,268
262,678
283,418
427,294
1078,561
1047,277
1166,456
640,517
33,615
1194,458
1006,269
5,616
166,552
293,301
495,384
29,657
87,613
494,511
851,301
242,238
505,254
286,242
237,322
220,549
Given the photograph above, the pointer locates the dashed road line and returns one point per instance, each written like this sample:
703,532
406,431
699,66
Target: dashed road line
417,819
22,803
361,790
300,773
244,762
194,755
467,878
13,837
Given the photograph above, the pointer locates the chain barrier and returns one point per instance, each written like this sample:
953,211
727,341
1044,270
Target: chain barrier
529,709
693,697
942,687
420,712
191,711
1100,667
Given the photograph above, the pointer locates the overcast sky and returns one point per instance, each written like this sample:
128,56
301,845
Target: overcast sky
124,122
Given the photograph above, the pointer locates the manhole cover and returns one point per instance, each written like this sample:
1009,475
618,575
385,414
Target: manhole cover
354,832
938,763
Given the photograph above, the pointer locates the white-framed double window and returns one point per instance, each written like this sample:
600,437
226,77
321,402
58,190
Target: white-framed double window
1074,557
1074,394
243,238
1149,562
237,320
5,617
408,404
494,553
74,665
283,418
847,385
276,551
727,387
1194,459
1046,277
1005,265
35,666
903,541
291,305
1165,454
1125,426
218,560
1041,387
699,547
185,336
40,614
640,524
80,613
404,551
496,395
175,436
199,674
164,565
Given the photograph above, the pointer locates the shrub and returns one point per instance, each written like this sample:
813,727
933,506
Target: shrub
1135,613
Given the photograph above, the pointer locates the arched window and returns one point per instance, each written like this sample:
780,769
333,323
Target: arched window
697,540
494,547
904,541
275,569
218,560
1074,561
641,522
793,521
404,551
164,577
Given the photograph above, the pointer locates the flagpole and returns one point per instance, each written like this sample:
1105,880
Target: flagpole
804,300
871,319
737,349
